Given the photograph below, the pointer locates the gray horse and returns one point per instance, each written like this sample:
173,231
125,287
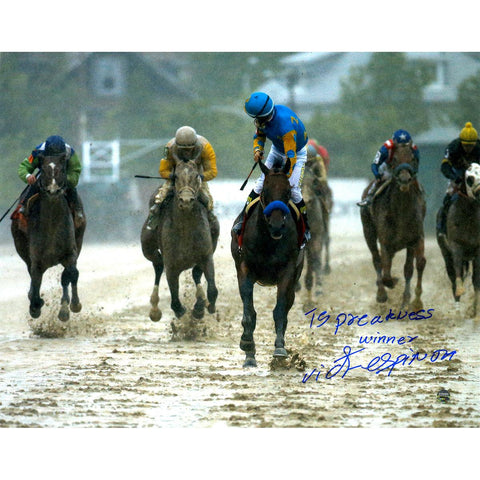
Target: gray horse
186,237
51,238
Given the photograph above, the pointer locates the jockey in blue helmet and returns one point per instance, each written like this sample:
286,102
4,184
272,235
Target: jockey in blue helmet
383,159
286,131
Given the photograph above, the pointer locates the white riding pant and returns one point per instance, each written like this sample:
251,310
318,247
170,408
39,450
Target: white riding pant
275,157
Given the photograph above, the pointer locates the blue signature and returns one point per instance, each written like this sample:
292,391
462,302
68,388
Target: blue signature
378,364
350,319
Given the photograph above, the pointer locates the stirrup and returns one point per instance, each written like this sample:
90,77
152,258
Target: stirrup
364,203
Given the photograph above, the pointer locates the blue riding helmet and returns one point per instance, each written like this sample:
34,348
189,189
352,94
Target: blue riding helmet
54,145
259,105
401,136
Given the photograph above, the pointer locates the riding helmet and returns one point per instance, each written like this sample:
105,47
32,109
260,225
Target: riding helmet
468,134
401,136
54,145
186,137
259,105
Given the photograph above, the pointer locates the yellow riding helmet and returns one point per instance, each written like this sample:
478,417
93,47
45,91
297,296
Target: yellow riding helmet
468,135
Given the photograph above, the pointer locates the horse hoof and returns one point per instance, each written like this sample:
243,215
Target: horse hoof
280,353
211,308
382,298
35,312
155,315
180,312
63,314
249,362
198,313
76,307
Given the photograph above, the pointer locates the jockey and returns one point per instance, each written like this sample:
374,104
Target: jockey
459,155
318,168
383,159
289,140
185,146
322,151
53,145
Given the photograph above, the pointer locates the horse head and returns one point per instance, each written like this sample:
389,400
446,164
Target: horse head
275,197
472,181
187,183
404,166
53,179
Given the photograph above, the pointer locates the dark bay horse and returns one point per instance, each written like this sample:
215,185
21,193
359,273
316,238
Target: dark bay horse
186,237
269,255
395,220
462,242
51,237
318,201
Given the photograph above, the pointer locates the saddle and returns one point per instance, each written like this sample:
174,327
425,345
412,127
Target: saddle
298,217
21,217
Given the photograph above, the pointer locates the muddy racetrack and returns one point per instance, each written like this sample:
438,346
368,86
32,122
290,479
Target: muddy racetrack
110,366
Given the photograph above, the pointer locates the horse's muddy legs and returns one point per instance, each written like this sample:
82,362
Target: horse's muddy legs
155,312
36,302
249,322
69,276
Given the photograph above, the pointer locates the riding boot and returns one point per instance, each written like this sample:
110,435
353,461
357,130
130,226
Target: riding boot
75,205
303,210
369,197
237,228
153,217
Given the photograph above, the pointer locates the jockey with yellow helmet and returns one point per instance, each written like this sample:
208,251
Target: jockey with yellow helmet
285,130
186,146
459,155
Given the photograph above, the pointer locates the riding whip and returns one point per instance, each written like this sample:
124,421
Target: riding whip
148,176
246,180
18,198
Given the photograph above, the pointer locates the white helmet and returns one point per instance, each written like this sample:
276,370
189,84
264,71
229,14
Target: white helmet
186,137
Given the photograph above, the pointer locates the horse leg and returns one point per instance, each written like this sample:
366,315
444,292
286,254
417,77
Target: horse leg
285,299
420,263
249,320
69,276
370,234
173,284
212,291
326,268
387,259
155,312
458,268
75,305
199,307
36,302
407,274
476,285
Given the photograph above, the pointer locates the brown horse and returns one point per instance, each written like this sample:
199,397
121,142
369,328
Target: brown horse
269,255
51,237
462,242
395,220
319,202
186,237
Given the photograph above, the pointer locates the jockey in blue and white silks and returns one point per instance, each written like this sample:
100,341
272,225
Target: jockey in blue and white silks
289,138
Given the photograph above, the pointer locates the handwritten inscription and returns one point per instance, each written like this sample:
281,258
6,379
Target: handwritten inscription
379,363
349,319
386,362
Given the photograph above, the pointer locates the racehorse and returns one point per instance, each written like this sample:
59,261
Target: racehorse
52,237
268,254
461,245
395,220
186,237
318,202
